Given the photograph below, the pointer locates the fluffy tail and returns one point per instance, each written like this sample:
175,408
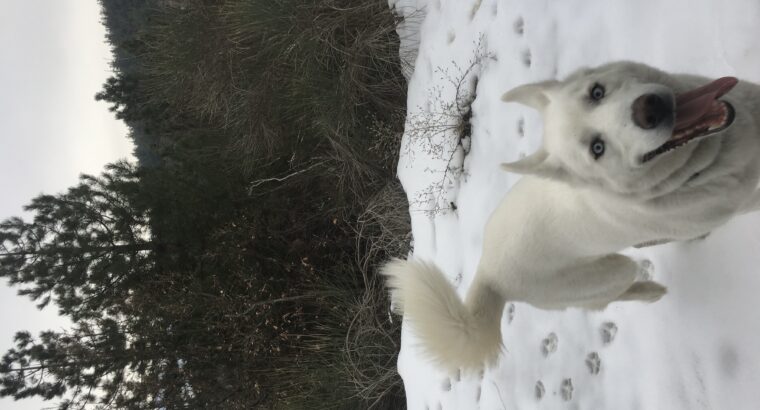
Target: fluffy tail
455,334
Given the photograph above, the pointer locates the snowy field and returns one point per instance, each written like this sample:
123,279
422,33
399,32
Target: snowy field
697,348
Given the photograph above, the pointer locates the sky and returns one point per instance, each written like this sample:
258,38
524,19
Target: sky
53,59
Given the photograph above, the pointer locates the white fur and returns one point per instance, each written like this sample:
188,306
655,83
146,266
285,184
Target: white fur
553,240
448,327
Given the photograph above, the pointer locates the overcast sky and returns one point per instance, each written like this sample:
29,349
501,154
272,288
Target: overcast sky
53,59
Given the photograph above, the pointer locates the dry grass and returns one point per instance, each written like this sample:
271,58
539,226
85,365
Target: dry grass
308,99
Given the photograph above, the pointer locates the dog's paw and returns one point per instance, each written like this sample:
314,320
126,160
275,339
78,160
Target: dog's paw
645,291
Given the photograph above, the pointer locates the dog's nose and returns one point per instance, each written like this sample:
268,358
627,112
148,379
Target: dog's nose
650,110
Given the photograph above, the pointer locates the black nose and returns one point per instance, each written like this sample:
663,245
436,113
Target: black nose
650,110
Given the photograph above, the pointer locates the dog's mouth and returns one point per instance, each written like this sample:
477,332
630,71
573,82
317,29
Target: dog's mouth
698,114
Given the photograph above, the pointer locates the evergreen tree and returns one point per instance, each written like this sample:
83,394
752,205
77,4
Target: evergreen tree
83,247
92,251
156,324
118,91
129,363
217,278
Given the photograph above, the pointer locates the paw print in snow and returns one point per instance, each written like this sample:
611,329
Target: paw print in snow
458,277
566,389
549,344
519,26
451,36
645,270
510,313
593,362
521,127
609,331
527,58
539,390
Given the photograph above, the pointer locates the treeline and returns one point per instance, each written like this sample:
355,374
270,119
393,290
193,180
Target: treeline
235,266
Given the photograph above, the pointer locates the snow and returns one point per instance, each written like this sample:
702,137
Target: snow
697,348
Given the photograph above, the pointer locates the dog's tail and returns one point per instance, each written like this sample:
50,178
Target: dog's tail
457,335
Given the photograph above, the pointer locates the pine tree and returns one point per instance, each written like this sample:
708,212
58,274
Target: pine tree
118,91
83,247
152,321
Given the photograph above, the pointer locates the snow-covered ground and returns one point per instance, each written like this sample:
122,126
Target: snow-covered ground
697,348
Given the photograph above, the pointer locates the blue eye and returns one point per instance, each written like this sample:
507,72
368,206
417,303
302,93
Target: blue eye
597,147
597,92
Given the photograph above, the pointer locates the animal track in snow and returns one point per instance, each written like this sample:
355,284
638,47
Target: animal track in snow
521,127
539,390
475,8
608,331
510,313
527,58
519,26
451,36
458,278
477,393
566,389
446,385
593,362
549,344
645,269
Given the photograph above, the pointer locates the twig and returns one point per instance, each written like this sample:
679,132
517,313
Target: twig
281,179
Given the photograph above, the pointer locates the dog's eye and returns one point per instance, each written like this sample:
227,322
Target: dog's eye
597,92
597,147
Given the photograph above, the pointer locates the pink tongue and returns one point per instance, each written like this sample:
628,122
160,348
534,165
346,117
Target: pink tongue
692,105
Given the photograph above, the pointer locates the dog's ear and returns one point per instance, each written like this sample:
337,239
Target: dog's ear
541,164
527,165
533,95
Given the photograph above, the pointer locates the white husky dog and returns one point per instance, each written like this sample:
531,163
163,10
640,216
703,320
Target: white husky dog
631,155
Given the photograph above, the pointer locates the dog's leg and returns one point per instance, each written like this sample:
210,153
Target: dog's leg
596,284
644,289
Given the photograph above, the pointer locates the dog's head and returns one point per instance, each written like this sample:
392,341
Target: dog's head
622,127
